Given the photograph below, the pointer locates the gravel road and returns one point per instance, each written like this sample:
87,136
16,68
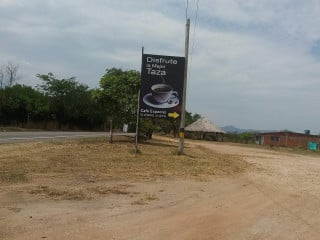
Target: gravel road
279,199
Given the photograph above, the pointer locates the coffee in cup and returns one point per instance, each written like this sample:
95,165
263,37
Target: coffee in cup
161,92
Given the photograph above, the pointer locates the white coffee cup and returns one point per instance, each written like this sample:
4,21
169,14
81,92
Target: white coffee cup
161,92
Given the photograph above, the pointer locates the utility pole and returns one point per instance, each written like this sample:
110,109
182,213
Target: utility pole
183,110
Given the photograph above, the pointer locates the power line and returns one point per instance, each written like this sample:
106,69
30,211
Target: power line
194,34
187,6
195,26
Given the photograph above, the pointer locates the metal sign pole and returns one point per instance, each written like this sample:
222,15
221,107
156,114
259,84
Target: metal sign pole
183,110
138,110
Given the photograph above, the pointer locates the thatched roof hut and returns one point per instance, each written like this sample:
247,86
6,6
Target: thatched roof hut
203,128
204,125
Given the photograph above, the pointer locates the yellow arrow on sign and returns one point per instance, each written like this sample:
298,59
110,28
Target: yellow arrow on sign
173,115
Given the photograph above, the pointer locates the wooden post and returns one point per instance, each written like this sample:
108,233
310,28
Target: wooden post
111,132
137,124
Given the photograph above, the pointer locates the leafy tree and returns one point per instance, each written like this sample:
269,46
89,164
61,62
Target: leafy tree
165,126
69,101
95,112
247,137
19,104
190,118
119,94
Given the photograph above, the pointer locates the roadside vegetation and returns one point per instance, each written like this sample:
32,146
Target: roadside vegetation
65,104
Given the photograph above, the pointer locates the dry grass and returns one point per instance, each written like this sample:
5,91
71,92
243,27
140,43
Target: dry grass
145,199
79,193
119,189
67,194
96,160
76,170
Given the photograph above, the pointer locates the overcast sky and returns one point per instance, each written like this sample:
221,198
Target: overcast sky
252,64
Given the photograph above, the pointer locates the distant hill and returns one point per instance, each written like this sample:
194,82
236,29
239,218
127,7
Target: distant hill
233,129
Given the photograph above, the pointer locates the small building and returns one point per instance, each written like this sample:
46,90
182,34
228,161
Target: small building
286,139
204,129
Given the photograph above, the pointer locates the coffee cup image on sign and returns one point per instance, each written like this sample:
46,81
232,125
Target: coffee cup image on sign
161,96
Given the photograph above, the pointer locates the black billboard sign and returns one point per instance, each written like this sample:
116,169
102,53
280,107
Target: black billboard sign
161,86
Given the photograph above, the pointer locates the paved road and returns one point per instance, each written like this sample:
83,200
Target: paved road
11,137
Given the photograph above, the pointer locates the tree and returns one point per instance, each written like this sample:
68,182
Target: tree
19,104
69,101
9,74
1,78
247,137
119,94
190,118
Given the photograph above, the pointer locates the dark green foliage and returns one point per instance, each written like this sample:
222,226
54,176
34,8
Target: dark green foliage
191,118
62,101
20,104
245,137
70,103
165,126
67,104
119,94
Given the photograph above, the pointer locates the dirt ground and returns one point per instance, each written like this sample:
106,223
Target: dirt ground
279,198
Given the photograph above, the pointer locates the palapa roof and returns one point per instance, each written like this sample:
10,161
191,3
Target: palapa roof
204,125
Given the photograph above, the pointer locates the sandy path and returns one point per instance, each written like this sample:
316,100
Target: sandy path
279,200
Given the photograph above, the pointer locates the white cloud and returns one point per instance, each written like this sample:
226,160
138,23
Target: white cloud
249,76
254,63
